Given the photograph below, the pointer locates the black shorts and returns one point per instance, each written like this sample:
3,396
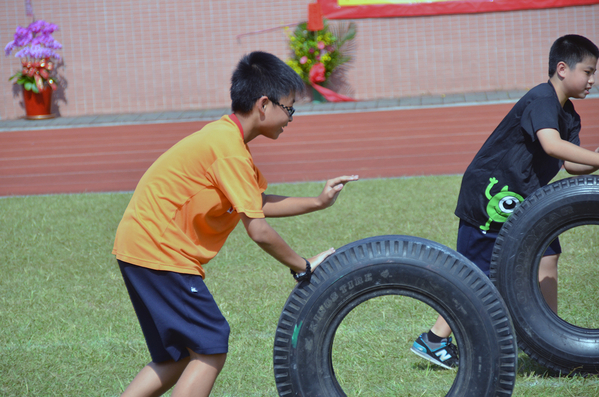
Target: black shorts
176,311
478,246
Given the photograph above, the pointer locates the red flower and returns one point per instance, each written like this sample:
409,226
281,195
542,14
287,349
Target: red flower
317,73
39,82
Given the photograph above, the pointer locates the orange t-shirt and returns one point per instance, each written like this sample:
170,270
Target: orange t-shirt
188,202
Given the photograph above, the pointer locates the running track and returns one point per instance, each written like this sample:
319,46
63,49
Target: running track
407,142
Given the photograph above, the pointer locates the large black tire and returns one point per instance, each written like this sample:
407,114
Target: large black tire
395,265
520,245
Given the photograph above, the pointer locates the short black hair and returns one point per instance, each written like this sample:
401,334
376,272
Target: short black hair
262,74
571,49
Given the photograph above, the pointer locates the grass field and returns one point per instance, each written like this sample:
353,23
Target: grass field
68,328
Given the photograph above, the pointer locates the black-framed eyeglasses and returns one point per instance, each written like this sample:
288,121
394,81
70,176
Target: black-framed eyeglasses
290,110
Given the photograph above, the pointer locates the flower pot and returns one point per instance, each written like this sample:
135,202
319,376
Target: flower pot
37,106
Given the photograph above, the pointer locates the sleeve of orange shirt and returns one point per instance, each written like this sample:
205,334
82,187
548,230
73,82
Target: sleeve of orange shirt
242,183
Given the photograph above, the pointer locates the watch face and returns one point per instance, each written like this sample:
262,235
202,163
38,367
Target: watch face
303,276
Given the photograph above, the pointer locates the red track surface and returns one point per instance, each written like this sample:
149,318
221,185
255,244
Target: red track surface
372,144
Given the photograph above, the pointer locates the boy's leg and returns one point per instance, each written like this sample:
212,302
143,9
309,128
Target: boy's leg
155,379
548,280
199,375
202,326
477,247
441,328
435,345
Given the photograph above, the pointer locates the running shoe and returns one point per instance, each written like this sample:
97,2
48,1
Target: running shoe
444,353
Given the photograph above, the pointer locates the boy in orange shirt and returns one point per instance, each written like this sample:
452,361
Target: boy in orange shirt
181,213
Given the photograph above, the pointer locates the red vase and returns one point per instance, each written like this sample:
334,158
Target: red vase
37,106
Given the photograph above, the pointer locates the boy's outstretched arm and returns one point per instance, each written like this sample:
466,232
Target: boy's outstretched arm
577,160
270,241
280,206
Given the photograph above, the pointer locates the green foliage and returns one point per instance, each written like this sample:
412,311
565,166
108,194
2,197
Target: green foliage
325,46
28,82
68,327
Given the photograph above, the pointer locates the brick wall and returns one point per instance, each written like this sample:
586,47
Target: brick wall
124,56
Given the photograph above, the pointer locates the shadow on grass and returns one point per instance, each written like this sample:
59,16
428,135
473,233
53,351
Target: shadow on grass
428,366
528,367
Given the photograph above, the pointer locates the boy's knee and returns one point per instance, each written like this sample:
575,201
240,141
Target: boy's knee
219,360
548,262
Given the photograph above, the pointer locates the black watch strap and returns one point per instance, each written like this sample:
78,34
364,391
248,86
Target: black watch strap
305,275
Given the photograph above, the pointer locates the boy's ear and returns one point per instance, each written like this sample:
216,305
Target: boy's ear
260,104
561,69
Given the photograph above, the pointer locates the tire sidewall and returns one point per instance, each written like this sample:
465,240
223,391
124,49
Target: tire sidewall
438,277
514,270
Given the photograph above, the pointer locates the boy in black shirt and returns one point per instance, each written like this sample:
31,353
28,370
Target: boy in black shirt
528,148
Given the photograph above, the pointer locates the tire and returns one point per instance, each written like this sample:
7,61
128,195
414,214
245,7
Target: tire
395,265
543,216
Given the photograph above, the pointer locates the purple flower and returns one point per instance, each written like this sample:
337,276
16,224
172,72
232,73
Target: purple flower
28,8
37,45
9,47
37,51
35,41
47,41
42,27
22,37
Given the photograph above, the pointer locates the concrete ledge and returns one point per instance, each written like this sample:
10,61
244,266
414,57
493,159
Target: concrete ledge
305,108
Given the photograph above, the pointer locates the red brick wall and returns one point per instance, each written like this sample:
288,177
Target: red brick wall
124,56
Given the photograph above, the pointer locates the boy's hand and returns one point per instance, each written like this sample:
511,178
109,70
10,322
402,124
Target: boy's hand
332,189
318,259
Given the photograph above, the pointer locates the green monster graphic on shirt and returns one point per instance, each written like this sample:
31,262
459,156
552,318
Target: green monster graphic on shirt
501,205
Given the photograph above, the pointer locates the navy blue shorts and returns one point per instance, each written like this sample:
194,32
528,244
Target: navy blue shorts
478,246
176,311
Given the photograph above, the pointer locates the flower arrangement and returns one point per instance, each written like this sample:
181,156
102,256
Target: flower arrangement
320,52
37,49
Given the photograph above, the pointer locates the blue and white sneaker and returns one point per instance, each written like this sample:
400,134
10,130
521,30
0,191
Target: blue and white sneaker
444,354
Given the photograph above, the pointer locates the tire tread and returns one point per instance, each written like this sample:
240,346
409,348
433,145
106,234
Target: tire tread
388,248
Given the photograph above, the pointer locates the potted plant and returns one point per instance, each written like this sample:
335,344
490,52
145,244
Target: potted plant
318,55
37,75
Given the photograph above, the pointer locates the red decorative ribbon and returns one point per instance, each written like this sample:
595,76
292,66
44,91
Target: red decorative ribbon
317,76
39,71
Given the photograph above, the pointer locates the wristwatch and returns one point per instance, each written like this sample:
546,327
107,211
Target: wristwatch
305,275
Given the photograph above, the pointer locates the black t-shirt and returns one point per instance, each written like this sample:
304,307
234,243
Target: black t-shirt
512,163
